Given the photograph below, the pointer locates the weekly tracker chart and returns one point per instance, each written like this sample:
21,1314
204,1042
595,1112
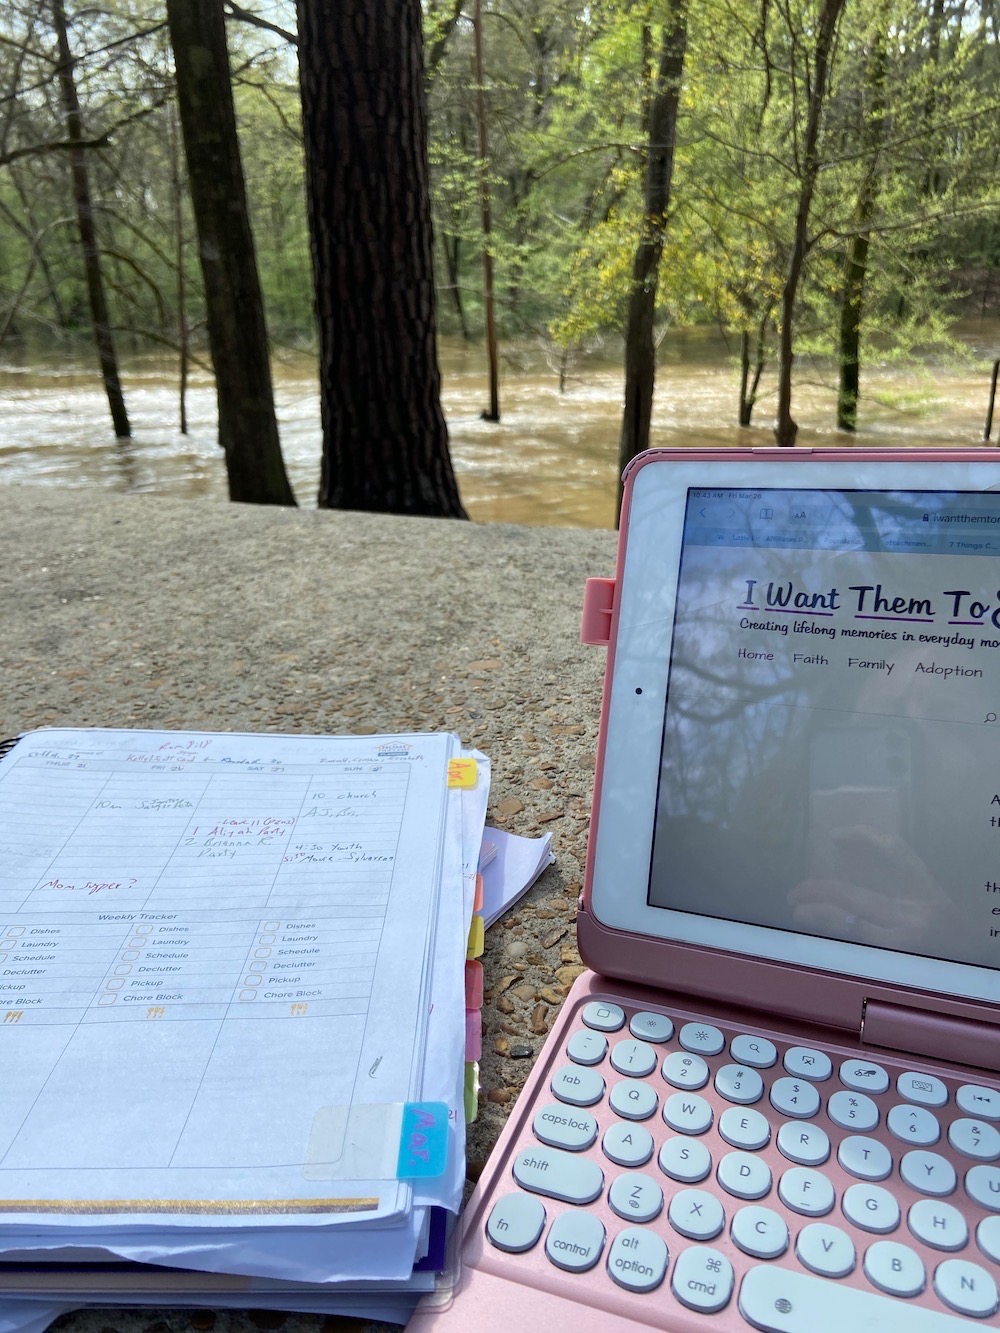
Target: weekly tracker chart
214,969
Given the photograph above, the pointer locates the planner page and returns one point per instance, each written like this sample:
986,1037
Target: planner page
214,962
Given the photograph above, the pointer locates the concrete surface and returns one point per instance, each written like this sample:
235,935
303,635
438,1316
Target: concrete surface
140,611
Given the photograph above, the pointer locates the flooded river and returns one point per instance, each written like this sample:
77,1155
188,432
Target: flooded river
550,460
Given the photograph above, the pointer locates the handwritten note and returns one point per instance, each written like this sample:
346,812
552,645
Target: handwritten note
205,942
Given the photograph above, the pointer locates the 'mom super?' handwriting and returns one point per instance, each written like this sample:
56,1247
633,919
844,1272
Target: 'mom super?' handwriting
871,599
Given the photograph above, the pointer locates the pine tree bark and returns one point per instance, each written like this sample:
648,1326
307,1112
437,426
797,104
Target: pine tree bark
640,349
385,441
248,428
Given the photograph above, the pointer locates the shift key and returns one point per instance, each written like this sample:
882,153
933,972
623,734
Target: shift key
558,1175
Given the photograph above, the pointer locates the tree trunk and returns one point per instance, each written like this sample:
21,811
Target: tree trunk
640,351
99,316
785,427
492,413
385,441
237,335
856,259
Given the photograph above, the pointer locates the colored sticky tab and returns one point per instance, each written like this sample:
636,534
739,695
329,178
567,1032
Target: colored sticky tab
473,984
423,1141
463,773
473,1034
471,1092
478,900
477,938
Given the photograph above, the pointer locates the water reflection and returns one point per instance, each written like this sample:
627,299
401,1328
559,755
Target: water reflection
550,460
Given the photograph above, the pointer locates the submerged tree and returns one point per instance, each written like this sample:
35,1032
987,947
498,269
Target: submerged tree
90,249
640,348
248,428
385,441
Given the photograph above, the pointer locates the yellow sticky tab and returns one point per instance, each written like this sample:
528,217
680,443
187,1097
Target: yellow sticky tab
477,938
471,1091
463,773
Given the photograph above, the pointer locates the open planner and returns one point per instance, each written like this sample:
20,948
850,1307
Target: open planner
233,1016
773,1102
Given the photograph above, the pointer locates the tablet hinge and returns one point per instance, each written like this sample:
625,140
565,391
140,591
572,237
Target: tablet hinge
598,603
962,1041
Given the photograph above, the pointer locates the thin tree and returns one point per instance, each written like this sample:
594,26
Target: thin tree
248,428
89,245
785,427
640,348
385,441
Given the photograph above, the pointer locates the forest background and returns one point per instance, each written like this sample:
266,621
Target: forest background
540,160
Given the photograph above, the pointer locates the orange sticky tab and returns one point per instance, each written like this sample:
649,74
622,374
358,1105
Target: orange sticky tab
478,901
477,938
463,773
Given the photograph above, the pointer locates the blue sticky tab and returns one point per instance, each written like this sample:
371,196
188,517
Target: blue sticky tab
423,1141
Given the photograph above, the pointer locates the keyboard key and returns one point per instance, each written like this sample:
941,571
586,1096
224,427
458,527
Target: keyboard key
638,1259
558,1175
755,1051
738,1084
988,1237
895,1268
924,1089
702,1279
806,1191
759,1232
575,1241
637,1058
938,1224
603,1016
687,1113
982,1183
781,1300
865,1158
913,1124
587,1048
696,1214
977,1101
793,1097
871,1208
685,1160
804,1062
651,1027
825,1249
744,1128
928,1172
853,1110
744,1176
516,1223
973,1138
864,1076
627,1145
702,1038
966,1287
633,1100
636,1197
560,1128
685,1071
801,1142
577,1085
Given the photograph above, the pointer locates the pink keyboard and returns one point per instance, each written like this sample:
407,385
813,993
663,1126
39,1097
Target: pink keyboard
695,1168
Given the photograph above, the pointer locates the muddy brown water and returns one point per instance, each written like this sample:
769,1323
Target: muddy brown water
550,460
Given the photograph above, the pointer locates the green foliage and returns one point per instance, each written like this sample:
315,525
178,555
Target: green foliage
908,154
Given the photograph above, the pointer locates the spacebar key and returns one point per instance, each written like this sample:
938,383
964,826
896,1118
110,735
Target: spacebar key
779,1300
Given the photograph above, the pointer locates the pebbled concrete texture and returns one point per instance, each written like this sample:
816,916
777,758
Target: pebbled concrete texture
142,611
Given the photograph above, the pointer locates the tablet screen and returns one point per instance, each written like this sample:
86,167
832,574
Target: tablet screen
830,736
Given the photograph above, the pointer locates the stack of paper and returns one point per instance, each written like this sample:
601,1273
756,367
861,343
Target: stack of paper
232,1018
